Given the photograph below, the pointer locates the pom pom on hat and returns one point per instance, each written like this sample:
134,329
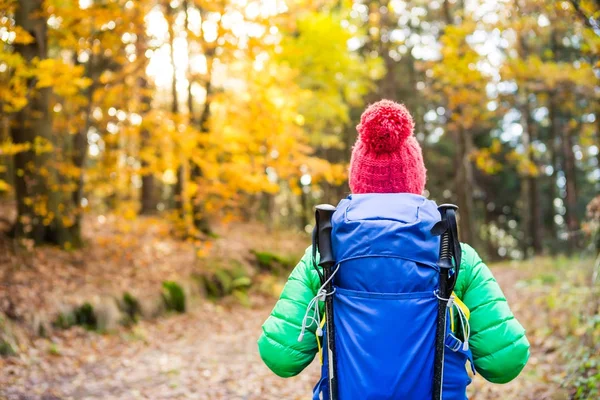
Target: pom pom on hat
387,158
385,126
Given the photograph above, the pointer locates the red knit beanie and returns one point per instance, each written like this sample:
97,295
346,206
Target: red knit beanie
387,157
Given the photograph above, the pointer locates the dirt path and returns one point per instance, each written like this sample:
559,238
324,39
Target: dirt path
209,353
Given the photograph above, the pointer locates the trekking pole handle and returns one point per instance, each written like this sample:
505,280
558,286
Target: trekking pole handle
442,208
324,213
445,250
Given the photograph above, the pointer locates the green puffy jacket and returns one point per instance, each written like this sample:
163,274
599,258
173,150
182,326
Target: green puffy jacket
498,343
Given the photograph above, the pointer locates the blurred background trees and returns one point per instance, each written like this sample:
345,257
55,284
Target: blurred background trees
208,111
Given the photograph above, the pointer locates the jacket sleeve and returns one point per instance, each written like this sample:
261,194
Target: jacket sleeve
278,345
498,342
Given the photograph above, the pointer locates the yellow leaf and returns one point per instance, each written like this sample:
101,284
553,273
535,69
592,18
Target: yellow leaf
4,187
10,149
22,36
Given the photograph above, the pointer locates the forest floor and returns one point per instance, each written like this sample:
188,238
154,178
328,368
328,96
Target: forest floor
210,352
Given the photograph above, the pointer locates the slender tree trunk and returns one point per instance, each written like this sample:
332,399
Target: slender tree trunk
465,186
447,12
553,114
179,188
7,173
388,86
598,133
190,98
526,218
148,189
201,220
80,141
531,212
537,227
571,198
305,207
270,211
148,197
35,174
554,148
464,181
491,249
568,158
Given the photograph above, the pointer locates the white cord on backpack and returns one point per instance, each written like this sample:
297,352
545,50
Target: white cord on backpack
466,328
316,317
464,321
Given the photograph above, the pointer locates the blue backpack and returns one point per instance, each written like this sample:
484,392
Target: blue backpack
389,262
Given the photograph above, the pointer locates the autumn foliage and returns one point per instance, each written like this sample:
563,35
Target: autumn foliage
160,146
209,111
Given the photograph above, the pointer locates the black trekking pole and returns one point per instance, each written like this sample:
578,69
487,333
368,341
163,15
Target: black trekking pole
323,216
448,245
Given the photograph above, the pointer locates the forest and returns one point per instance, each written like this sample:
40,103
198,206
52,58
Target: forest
156,154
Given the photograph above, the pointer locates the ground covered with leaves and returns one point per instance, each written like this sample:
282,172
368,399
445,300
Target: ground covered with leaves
208,349
126,267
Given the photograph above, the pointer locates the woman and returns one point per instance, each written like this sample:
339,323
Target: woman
388,159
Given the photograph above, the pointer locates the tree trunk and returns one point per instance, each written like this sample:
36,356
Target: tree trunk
526,218
464,181
571,197
305,207
36,179
554,148
200,218
465,186
537,227
148,190
148,197
598,133
531,217
190,98
179,188
80,141
531,212
447,12
6,173
491,248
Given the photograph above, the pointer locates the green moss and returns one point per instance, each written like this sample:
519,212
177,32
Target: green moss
242,297
174,297
243,282
84,316
81,316
64,320
213,235
274,263
131,308
54,350
548,279
225,280
210,287
7,349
